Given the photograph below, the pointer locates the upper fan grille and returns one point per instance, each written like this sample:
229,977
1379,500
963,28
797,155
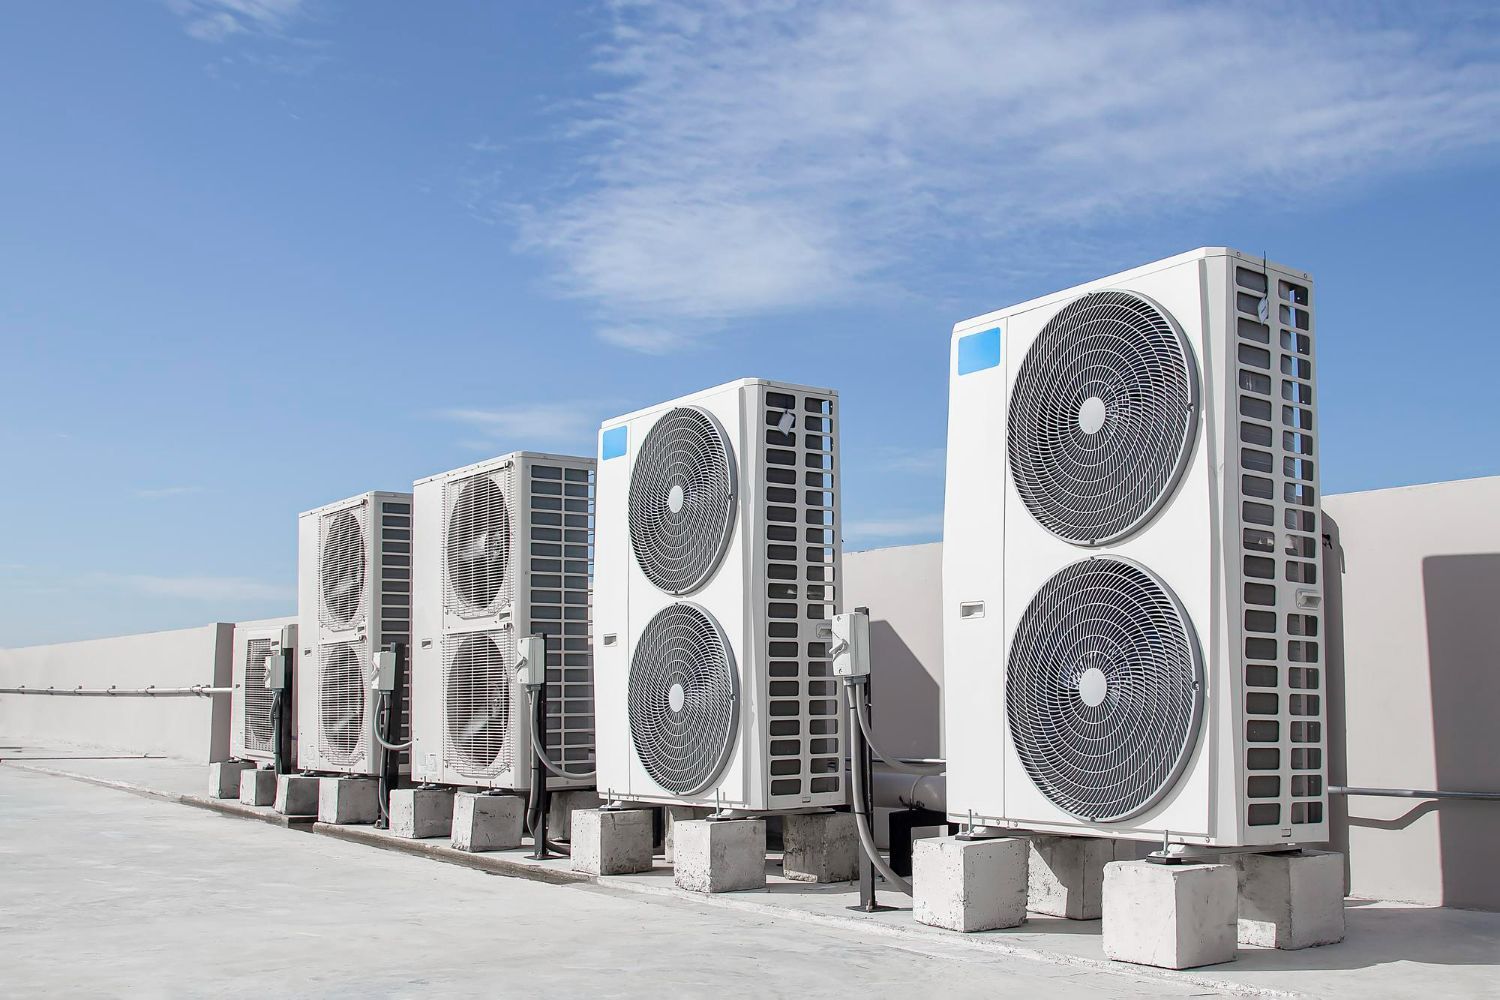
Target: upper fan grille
682,500
1103,689
684,699
478,543
257,720
342,570
341,703
477,703
1102,417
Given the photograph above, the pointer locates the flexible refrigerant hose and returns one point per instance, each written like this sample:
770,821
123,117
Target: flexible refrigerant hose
541,751
861,818
862,714
533,820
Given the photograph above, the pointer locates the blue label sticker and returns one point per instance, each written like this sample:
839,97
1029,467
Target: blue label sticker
612,443
979,351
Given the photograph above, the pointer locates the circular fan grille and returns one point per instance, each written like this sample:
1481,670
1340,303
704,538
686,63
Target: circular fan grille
477,704
343,569
478,544
1102,417
684,699
1104,689
682,500
341,704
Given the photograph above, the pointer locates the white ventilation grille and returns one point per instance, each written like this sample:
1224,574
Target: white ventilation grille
682,500
1102,417
341,568
683,699
341,703
477,678
477,544
257,720
1104,689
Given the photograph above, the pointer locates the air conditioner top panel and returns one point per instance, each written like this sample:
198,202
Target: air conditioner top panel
329,508
1113,280
716,390
514,456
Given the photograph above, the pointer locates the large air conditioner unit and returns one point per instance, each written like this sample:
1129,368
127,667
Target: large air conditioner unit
250,699
717,568
503,552
1132,605
354,598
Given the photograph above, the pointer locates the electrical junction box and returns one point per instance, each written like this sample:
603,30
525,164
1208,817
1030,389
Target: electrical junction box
851,644
531,661
276,672
384,678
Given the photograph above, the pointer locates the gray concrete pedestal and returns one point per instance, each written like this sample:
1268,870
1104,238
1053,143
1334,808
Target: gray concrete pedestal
560,808
487,822
344,800
296,795
719,855
418,813
1169,916
1066,876
1291,900
224,778
612,841
820,847
671,816
257,787
969,885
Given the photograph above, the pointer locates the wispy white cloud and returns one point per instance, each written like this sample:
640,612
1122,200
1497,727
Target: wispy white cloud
529,425
749,158
208,588
217,20
163,492
894,527
913,461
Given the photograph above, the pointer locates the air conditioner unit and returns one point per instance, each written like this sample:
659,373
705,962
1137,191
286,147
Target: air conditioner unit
354,597
1132,607
717,568
250,701
503,552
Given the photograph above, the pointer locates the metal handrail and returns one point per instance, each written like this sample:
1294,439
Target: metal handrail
1412,793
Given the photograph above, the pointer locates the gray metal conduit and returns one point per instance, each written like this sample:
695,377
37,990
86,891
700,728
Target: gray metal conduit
1412,793
195,691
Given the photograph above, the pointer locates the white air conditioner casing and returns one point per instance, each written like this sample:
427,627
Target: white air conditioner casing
1086,706
503,552
353,597
722,632
250,732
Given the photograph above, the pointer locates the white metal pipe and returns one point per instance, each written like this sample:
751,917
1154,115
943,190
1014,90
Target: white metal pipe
195,691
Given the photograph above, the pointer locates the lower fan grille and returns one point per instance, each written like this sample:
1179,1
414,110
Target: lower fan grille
341,704
1104,689
477,732
257,720
684,699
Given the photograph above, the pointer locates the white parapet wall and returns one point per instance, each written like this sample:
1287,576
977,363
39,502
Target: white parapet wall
187,728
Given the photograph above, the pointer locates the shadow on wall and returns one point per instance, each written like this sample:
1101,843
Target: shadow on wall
1337,742
905,698
1462,596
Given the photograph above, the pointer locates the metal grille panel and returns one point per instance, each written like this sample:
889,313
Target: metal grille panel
1102,417
477,544
478,736
683,699
682,488
341,703
257,721
341,567
1104,689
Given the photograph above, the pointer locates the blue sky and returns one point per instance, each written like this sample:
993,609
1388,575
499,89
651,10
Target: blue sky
258,255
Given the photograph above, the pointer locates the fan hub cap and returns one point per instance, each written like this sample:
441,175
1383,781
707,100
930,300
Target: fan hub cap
1093,687
1091,415
675,697
675,498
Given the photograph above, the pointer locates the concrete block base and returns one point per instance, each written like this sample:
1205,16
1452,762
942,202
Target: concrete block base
969,885
724,855
611,841
820,847
1169,916
418,813
1066,876
560,808
488,822
671,816
257,787
348,800
1292,900
224,778
296,795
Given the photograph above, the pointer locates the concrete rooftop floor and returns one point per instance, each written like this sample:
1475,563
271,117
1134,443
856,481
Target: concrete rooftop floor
108,893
